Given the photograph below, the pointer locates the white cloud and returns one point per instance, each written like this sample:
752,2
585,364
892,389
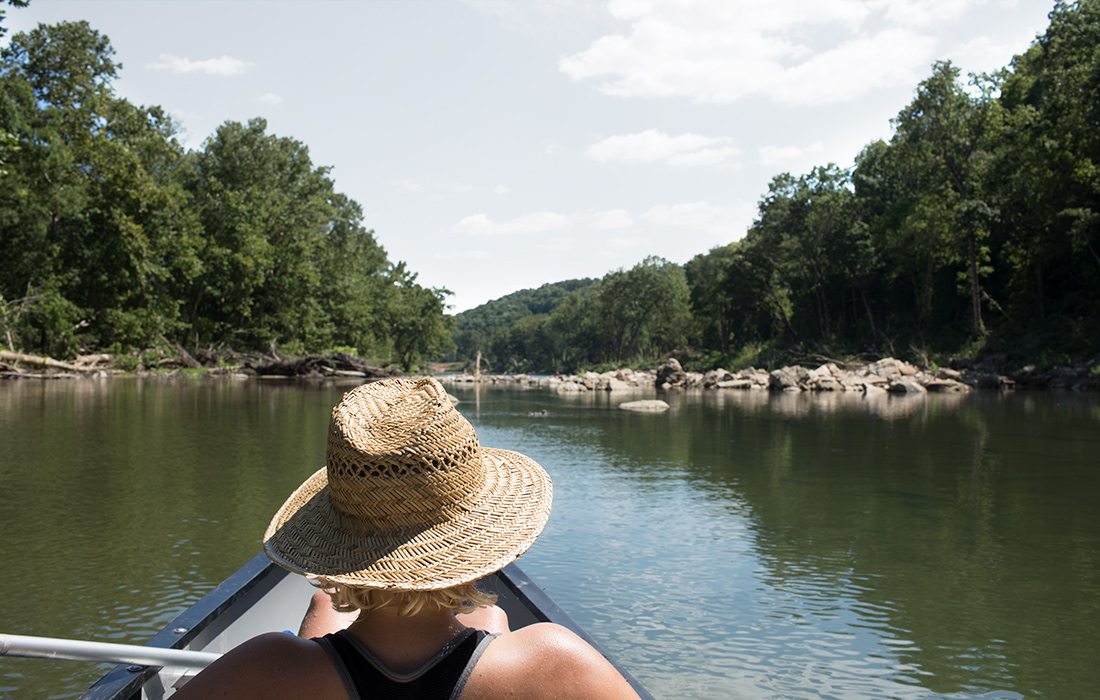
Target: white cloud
924,13
730,219
537,222
983,54
611,220
223,65
407,186
792,51
188,136
270,98
653,146
777,155
501,190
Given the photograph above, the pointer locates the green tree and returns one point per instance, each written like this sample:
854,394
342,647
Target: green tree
417,326
942,138
643,311
1048,174
93,224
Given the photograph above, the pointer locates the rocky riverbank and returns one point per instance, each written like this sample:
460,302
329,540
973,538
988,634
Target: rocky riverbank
181,363
888,375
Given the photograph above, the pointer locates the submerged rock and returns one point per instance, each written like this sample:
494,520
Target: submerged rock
646,406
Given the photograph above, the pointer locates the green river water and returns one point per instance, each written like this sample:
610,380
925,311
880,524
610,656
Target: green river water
740,545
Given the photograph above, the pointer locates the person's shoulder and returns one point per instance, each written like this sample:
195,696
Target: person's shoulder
545,660
269,665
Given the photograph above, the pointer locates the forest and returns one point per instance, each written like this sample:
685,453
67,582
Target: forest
973,232
115,238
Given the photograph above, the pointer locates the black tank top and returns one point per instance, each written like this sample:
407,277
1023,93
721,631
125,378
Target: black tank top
442,677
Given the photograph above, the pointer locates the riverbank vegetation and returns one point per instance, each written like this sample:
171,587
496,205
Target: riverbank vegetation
115,238
974,232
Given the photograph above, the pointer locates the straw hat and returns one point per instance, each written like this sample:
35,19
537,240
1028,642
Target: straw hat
408,500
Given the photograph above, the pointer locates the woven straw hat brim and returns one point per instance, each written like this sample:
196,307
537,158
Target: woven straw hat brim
308,536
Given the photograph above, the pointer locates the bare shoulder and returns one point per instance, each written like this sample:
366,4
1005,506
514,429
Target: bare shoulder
545,661
271,665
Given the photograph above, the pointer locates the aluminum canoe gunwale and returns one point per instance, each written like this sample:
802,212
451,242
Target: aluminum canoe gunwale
205,619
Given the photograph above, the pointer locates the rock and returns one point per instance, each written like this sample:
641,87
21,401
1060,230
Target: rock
569,388
824,384
590,380
670,373
873,390
692,380
890,368
788,378
905,386
946,386
735,384
948,373
646,406
613,384
715,377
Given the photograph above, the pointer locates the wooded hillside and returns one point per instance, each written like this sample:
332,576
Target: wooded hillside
116,238
973,232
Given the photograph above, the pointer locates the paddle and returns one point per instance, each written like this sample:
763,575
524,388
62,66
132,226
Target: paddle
76,650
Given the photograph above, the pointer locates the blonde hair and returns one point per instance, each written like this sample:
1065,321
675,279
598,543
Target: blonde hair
460,599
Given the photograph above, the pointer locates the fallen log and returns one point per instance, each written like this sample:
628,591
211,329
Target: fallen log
37,361
335,365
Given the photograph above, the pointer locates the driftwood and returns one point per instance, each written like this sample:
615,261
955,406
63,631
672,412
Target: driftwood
185,357
336,365
37,361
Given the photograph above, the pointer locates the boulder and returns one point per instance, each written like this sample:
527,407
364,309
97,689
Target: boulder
946,386
715,377
788,378
905,386
569,388
646,406
734,384
670,373
693,380
890,368
824,384
873,390
948,373
614,384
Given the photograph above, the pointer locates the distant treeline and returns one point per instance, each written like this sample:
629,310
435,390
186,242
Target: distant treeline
112,236
975,230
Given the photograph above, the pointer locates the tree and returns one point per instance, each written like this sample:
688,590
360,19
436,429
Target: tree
643,311
942,138
13,3
416,324
92,222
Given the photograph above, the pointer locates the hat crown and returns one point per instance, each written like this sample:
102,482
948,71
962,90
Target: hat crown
399,455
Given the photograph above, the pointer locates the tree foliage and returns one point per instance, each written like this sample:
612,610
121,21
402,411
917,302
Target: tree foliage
115,237
975,228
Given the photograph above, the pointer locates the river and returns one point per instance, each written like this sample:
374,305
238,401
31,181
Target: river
739,545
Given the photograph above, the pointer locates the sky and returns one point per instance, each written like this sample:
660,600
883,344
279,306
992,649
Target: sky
498,145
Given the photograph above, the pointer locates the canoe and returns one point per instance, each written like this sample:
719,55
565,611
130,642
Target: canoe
262,597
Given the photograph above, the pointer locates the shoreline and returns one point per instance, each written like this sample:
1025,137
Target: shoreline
886,375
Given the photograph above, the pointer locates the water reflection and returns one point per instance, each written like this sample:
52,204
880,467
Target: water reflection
739,545
898,545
